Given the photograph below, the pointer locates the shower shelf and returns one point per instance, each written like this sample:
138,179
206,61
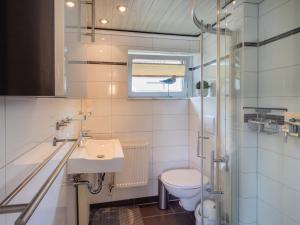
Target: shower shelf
264,119
292,125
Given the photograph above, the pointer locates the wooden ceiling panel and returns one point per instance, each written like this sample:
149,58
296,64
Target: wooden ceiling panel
120,19
104,10
157,16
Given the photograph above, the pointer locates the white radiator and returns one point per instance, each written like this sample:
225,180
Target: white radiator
135,170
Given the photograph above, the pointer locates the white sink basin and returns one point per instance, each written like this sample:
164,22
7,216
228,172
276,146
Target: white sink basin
96,156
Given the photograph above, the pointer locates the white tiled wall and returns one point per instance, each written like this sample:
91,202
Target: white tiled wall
268,184
242,91
27,126
269,168
163,123
277,17
247,146
279,162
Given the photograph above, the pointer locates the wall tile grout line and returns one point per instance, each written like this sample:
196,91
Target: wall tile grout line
281,67
277,181
29,150
278,210
277,153
270,10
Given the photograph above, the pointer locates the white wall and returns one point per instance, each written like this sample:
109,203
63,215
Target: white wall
27,126
163,123
279,162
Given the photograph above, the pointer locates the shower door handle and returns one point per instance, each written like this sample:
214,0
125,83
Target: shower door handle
198,145
214,161
212,172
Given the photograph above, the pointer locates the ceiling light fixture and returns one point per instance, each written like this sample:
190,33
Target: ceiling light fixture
122,8
70,4
104,21
234,2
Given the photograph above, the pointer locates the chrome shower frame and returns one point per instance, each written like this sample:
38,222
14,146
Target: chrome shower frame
207,28
218,158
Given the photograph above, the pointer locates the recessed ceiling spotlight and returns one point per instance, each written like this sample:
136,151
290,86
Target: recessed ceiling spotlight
122,8
70,4
104,21
234,2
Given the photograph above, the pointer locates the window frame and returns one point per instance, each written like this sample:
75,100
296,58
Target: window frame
159,95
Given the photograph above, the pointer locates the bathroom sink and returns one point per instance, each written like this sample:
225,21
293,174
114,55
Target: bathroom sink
96,156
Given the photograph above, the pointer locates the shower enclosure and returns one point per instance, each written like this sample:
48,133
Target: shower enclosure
218,150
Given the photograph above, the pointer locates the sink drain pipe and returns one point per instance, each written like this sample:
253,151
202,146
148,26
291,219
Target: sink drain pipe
90,187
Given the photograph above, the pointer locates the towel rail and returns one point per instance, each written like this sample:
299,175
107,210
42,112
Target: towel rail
34,203
27,210
13,208
28,178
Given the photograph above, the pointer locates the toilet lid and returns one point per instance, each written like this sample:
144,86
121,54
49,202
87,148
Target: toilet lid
184,178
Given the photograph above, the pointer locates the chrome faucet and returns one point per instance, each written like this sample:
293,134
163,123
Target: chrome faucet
60,124
84,136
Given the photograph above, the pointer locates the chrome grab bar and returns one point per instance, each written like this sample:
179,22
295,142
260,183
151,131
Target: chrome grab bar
28,179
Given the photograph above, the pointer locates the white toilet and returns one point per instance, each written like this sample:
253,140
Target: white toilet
186,185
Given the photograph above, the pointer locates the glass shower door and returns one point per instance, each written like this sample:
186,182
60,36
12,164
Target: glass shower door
217,152
226,156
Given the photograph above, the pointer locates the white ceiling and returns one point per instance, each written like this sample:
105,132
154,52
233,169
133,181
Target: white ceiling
157,16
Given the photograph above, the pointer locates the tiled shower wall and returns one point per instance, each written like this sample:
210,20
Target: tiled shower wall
162,123
279,80
245,94
268,77
27,126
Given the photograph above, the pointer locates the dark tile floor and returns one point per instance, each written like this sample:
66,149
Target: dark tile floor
175,215
147,214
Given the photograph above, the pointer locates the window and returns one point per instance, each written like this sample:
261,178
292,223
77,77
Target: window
157,75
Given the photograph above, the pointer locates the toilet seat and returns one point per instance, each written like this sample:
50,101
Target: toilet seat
183,178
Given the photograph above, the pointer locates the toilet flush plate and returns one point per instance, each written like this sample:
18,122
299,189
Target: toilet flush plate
96,156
